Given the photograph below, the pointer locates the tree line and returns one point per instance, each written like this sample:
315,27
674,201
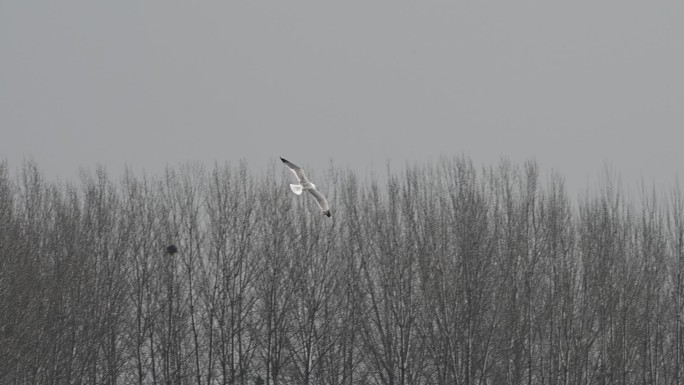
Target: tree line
442,273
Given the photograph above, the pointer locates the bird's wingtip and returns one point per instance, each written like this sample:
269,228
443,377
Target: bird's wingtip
283,160
327,213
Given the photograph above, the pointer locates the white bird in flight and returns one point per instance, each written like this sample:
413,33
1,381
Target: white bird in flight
305,184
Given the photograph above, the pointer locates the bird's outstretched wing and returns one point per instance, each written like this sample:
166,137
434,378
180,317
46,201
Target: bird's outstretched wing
320,199
298,171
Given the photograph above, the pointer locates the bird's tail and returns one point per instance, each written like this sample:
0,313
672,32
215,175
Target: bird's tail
296,188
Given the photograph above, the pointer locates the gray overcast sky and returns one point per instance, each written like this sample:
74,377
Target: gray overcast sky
573,84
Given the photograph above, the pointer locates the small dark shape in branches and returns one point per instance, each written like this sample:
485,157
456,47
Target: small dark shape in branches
172,249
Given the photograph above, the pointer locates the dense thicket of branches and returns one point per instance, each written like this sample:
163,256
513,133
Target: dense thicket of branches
443,274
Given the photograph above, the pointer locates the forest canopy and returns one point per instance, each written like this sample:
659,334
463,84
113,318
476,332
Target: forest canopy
441,273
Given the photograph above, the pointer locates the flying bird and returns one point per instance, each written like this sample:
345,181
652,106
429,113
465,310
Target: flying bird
305,184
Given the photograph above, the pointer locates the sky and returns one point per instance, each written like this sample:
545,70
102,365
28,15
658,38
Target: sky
574,85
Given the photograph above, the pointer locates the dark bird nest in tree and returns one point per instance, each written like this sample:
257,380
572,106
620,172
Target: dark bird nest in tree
172,249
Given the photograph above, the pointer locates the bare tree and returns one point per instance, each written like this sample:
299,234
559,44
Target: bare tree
229,292
139,217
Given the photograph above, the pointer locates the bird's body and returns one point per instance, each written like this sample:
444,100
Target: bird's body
306,185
